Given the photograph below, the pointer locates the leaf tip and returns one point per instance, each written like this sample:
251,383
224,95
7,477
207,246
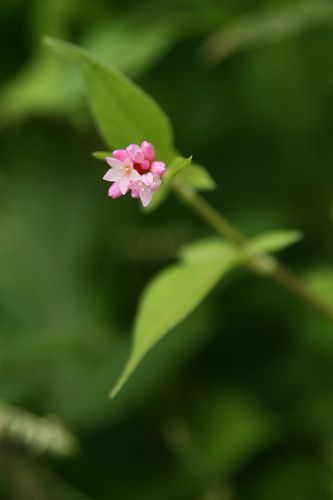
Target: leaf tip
296,235
120,382
100,155
117,386
113,392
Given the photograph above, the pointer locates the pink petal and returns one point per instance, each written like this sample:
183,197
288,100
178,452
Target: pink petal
120,154
145,165
146,196
135,193
134,176
135,185
156,184
148,178
148,150
123,184
113,162
135,153
112,175
114,191
158,167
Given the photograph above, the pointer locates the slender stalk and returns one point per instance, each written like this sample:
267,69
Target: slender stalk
278,273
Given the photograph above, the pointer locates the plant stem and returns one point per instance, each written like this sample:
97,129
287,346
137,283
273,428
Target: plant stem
278,273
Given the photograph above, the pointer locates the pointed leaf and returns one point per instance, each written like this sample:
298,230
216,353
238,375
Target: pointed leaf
124,113
272,241
101,155
175,292
169,298
207,250
177,166
198,177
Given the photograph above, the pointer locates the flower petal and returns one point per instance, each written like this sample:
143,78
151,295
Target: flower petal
156,184
148,178
123,184
158,167
146,195
114,163
134,176
114,191
135,153
148,150
120,154
135,193
135,185
112,175
145,165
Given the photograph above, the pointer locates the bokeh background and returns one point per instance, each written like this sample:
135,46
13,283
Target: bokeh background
237,402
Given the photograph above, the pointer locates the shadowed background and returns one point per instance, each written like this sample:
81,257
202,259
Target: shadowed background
237,402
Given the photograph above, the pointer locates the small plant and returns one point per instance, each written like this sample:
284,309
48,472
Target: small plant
125,114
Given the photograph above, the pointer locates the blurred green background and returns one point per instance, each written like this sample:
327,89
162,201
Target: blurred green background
237,402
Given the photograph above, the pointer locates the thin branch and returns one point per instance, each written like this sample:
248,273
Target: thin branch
278,273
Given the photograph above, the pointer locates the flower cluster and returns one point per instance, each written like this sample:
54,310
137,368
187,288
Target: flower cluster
134,169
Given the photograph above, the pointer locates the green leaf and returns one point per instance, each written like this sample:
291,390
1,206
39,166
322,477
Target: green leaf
176,291
101,155
198,177
175,169
214,248
169,298
124,113
186,172
178,165
131,43
207,250
272,241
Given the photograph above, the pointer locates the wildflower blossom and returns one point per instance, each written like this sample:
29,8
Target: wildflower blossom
134,169
122,172
114,191
145,187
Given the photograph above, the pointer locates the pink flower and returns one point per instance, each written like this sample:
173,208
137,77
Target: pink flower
120,154
135,153
134,168
114,191
158,167
145,188
145,165
122,172
148,150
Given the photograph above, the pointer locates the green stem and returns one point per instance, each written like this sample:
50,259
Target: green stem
278,273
